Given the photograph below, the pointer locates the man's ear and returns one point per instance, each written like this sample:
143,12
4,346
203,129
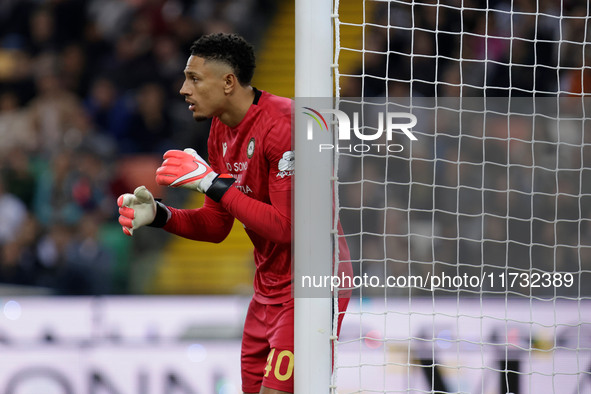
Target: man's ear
230,83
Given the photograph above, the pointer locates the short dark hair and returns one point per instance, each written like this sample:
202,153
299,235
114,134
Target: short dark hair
231,49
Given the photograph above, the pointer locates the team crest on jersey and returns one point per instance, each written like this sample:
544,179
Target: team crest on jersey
250,148
224,148
286,165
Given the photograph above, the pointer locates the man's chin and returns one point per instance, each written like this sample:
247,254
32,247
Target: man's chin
200,118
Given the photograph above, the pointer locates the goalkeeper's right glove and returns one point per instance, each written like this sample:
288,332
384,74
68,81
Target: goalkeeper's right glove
188,170
140,209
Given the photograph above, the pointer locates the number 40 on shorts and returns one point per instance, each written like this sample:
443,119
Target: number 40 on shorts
281,366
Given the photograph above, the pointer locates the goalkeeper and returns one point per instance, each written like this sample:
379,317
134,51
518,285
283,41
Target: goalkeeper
249,177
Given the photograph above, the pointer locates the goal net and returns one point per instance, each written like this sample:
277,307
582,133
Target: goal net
471,243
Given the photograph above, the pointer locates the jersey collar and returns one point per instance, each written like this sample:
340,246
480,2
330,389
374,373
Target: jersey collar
257,96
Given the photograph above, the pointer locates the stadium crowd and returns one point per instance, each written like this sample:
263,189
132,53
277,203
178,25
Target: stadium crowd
448,48
476,193
89,93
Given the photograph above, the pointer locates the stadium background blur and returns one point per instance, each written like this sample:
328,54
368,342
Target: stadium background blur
89,102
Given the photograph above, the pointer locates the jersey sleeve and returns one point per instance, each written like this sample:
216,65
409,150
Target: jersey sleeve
271,221
209,223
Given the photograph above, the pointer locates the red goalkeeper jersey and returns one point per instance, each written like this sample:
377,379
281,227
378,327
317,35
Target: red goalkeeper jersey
258,153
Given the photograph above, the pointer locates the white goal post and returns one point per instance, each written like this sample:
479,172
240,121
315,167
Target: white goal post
312,219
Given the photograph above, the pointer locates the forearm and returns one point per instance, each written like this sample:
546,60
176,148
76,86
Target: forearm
202,224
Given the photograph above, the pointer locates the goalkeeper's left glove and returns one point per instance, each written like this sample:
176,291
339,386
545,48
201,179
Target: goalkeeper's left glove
188,170
136,210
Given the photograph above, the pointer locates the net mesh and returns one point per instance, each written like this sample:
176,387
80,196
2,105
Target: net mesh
471,245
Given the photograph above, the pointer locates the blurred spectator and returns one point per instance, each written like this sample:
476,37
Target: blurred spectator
84,135
13,213
53,108
74,69
89,265
374,66
42,36
18,258
90,183
12,268
131,62
51,256
55,200
18,174
108,110
110,16
169,60
16,67
75,183
150,124
15,125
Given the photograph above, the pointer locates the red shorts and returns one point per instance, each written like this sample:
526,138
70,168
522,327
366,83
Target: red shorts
267,346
